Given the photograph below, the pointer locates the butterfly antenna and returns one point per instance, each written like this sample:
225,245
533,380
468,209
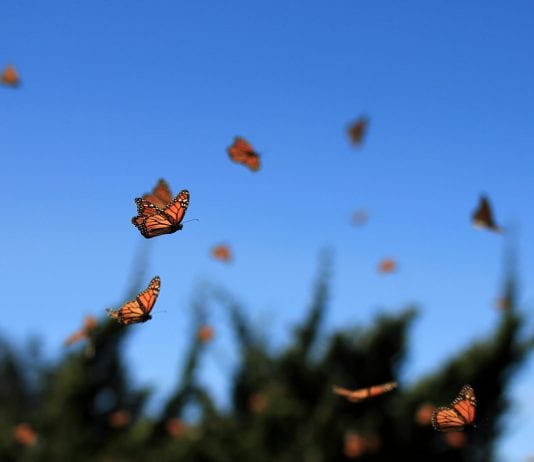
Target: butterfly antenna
191,219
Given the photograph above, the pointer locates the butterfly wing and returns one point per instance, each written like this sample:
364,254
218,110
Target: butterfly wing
175,211
465,404
364,393
482,217
459,415
242,152
75,337
138,310
161,194
445,419
150,220
349,394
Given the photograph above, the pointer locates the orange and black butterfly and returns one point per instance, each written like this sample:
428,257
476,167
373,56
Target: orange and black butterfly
161,194
10,77
243,153
482,217
138,310
357,130
222,252
363,393
459,415
152,220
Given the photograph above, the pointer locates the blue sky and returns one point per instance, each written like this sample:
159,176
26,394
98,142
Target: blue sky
117,94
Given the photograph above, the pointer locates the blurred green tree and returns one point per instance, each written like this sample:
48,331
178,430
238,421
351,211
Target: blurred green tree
282,406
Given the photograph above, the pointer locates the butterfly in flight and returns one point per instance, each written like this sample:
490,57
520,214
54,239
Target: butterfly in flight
89,325
460,414
360,217
356,396
243,153
358,130
10,77
161,194
388,265
222,252
138,310
152,220
482,217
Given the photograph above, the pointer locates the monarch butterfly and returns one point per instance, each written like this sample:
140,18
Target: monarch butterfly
10,77
388,265
357,130
482,217
161,194
460,414
152,220
356,396
89,324
138,310
222,252
243,153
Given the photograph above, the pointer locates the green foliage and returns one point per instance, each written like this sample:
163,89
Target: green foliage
282,405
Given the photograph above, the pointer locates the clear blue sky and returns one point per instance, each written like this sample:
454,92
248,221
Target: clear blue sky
118,94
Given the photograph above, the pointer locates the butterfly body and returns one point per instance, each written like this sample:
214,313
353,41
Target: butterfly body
459,415
152,220
138,310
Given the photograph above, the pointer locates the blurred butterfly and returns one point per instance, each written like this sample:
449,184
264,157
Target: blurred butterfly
119,418
10,77
357,130
504,303
176,428
459,415
205,333
24,434
356,396
388,265
243,153
138,310
152,220
89,324
482,217
161,194
222,252
360,217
